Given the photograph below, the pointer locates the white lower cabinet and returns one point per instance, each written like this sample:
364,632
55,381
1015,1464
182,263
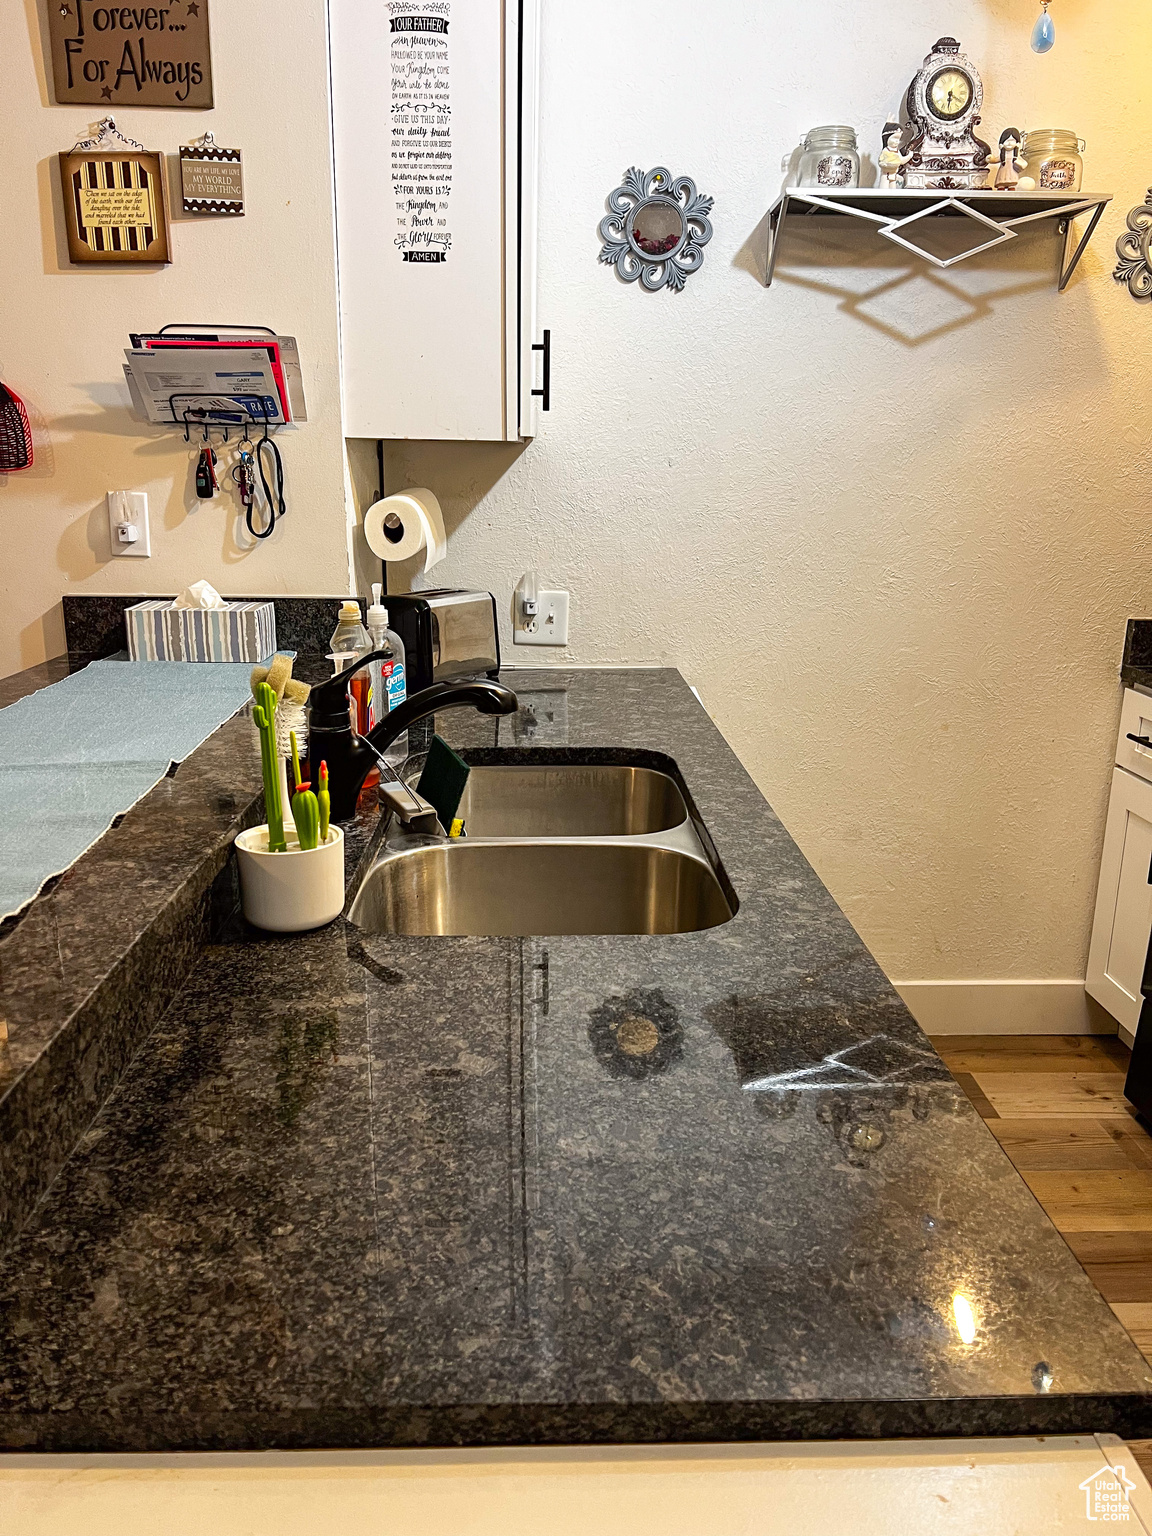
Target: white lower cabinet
1123,919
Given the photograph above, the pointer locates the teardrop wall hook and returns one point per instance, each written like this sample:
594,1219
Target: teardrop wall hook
1044,32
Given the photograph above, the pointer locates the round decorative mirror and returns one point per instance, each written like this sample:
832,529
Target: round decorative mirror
655,229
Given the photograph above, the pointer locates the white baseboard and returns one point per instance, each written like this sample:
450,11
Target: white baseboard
1005,1008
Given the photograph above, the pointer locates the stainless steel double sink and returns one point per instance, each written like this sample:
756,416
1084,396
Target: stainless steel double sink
551,849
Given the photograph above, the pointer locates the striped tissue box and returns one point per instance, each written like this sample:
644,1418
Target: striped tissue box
237,632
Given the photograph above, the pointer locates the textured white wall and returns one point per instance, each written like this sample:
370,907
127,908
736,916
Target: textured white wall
63,330
889,521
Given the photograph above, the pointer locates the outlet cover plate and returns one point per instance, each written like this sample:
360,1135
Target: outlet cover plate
549,624
129,507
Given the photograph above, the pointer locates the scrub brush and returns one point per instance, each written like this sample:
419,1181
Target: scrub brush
291,697
443,780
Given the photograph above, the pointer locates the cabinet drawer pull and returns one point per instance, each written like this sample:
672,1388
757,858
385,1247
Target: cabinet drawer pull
1141,741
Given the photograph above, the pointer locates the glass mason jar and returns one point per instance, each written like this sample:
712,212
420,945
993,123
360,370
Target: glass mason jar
830,158
1053,156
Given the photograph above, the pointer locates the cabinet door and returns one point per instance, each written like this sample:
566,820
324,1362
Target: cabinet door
1135,720
1123,920
430,202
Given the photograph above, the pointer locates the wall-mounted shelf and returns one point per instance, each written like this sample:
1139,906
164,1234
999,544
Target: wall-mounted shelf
908,218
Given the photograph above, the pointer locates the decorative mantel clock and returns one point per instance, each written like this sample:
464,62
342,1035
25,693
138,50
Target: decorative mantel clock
944,102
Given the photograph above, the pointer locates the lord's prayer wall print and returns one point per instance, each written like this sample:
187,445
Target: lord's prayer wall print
421,120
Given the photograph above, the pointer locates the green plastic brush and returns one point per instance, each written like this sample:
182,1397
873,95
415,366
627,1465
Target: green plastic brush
306,815
304,804
443,780
325,801
264,714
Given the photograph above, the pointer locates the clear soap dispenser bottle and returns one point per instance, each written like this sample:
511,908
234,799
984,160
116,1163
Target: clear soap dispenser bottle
349,640
389,688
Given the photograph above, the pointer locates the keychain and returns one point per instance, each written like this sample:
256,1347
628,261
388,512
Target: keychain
206,482
244,476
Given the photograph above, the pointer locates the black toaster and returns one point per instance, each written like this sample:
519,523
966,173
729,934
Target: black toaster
446,634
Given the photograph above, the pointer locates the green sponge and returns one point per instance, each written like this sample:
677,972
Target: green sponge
443,780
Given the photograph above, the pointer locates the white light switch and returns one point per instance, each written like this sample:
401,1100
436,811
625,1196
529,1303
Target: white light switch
547,626
128,522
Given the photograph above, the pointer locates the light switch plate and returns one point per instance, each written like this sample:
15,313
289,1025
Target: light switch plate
548,626
129,510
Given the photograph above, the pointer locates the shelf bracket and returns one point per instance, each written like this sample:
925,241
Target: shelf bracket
876,206
1068,230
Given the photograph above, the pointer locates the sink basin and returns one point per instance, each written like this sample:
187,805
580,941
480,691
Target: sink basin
517,889
570,800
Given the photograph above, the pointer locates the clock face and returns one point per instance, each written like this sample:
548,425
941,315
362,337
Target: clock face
949,93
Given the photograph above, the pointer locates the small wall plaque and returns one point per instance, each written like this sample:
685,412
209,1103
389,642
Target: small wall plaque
114,209
131,55
211,178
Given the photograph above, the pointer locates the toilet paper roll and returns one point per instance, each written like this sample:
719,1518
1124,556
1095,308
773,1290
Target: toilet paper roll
401,526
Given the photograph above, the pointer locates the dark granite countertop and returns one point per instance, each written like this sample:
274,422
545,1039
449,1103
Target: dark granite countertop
1136,662
372,1191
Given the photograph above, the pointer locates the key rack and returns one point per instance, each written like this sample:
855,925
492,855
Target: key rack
901,214
207,420
238,376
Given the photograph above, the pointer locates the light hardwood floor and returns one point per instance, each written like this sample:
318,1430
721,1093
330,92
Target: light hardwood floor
1056,1105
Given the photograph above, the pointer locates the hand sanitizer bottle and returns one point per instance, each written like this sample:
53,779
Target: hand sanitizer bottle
388,685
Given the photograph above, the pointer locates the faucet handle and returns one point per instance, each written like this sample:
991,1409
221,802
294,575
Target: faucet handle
409,807
328,702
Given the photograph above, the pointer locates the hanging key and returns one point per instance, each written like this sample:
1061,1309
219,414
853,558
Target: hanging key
244,474
206,482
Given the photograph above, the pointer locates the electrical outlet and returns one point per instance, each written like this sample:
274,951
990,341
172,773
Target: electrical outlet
547,626
128,523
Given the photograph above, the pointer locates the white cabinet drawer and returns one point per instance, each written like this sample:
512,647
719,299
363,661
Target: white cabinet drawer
1123,918
1135,719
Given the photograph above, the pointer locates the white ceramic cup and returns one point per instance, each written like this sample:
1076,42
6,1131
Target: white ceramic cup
293,891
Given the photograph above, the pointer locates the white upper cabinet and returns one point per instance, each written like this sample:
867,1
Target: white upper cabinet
434,128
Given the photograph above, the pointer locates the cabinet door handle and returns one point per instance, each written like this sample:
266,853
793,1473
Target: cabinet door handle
545,392
1141,741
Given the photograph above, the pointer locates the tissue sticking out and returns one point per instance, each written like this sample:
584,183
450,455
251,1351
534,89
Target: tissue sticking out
201,594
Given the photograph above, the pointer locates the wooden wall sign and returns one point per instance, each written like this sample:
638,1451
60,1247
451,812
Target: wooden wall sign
131,55
211,177
114,209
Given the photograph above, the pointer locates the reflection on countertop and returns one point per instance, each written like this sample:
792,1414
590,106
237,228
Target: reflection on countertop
365,1190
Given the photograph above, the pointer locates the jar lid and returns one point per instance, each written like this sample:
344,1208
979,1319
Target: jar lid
836,130
1060,135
